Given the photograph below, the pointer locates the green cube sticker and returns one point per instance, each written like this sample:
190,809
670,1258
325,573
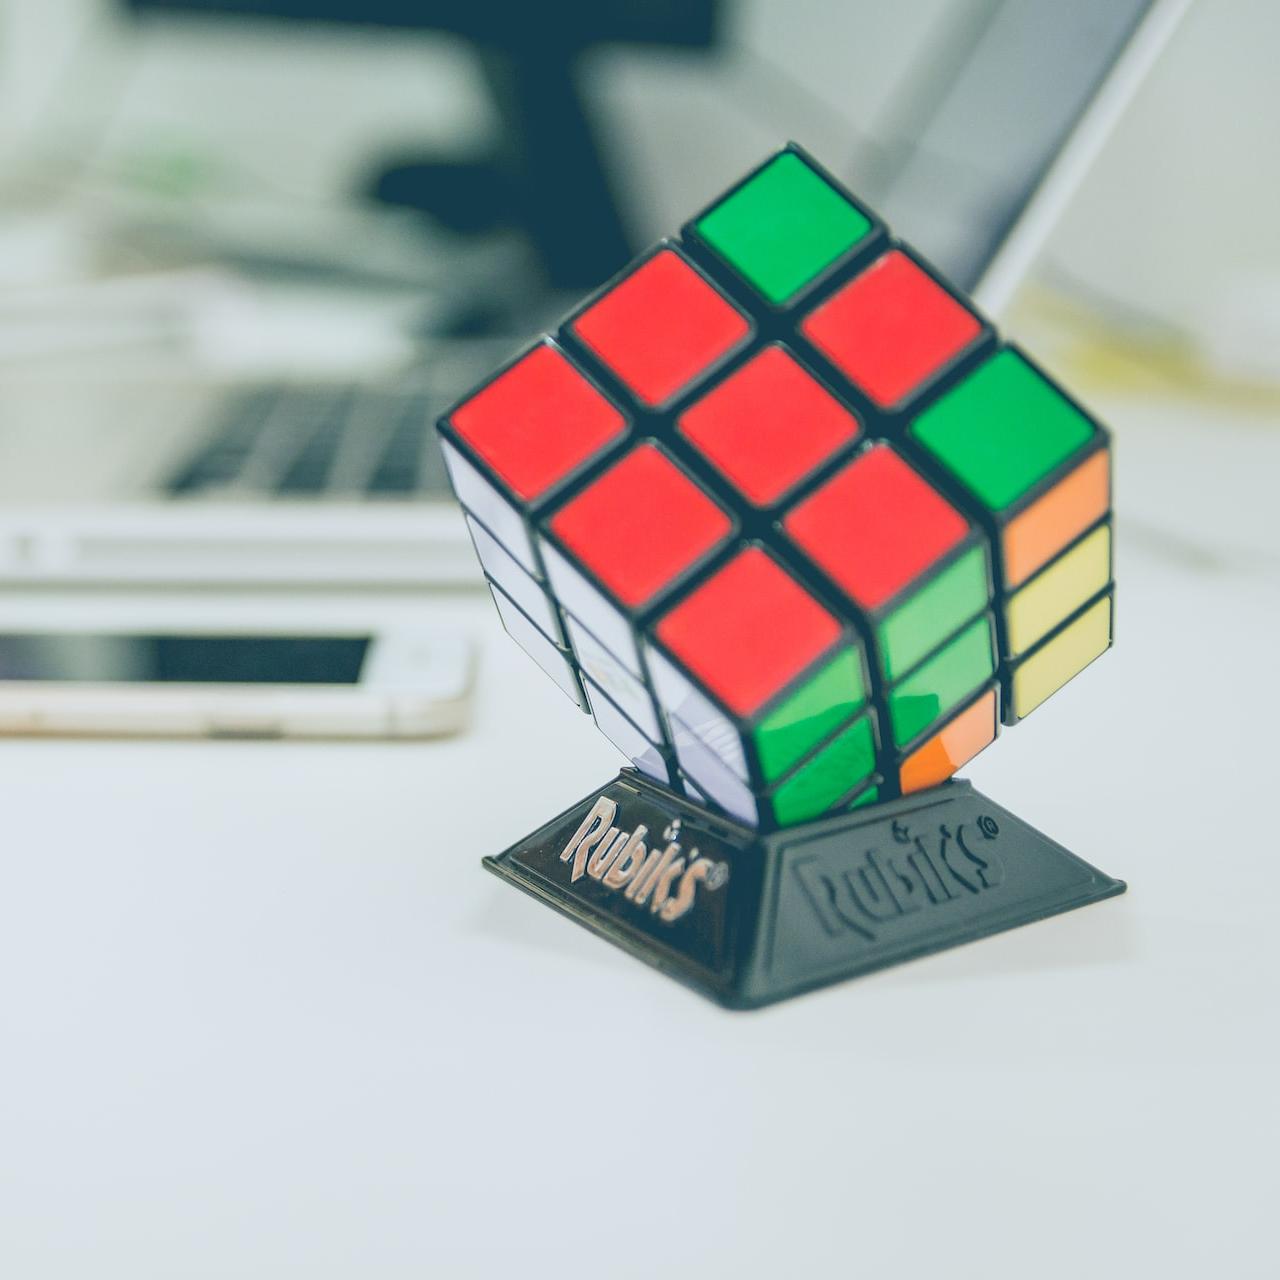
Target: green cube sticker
810,714
831,774
932,690
933,613
1002,430
783,227
869,796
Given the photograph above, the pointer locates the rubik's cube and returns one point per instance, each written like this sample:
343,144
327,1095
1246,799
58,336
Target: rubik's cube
778,508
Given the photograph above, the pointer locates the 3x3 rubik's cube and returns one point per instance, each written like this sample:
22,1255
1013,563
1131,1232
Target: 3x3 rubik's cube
778,508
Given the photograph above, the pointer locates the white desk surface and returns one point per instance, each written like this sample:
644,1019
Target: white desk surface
263,1015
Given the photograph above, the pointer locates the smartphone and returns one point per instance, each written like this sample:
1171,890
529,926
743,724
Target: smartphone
401,683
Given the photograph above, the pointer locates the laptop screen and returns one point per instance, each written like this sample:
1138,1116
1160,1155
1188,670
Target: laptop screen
984,120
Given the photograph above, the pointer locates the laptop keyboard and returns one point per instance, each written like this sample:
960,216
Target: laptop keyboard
307,441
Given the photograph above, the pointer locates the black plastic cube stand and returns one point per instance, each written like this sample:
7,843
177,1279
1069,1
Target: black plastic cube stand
748,918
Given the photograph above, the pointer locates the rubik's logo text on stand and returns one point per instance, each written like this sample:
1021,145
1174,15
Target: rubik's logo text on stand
782,512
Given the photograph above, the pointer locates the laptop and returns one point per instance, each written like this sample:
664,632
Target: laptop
334,478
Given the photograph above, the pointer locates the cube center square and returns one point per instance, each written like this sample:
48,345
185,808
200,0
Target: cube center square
767,425
783,514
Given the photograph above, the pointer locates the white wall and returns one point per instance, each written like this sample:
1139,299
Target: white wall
1186,197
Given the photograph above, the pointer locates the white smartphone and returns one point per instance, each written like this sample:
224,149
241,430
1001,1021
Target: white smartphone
400,683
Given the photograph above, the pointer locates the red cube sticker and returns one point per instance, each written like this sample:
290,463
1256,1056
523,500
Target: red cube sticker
661,326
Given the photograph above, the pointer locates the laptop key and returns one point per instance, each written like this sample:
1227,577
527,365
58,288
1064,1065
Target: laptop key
232,438
309,470
397,468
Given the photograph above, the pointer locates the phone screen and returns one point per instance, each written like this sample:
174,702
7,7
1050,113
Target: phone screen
183,659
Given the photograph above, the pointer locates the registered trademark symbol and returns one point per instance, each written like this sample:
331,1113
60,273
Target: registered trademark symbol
988,827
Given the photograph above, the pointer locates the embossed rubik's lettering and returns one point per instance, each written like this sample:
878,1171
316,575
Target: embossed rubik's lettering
782,512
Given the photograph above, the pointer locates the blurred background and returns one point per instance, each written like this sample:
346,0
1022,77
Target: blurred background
260,1014
194,112
248,248
111,108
